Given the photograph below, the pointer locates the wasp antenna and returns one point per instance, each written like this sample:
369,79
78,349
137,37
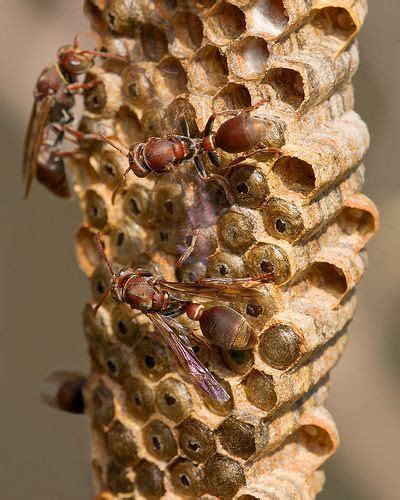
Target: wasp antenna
120,149
102,253
100,303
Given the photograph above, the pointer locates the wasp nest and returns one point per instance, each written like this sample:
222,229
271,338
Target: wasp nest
298,216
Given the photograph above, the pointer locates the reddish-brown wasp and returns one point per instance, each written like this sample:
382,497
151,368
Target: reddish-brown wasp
242,133
63,390
53,102
161,301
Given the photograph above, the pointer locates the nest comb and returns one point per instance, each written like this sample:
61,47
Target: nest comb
301,215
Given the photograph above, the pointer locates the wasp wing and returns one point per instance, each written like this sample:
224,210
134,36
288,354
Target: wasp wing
214,288
34,138
176,336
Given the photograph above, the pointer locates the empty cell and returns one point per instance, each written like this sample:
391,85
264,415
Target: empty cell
127,126
334,21
268,17
249,57
170,78
329,278
232,96
208,69
295,174
154,42
189,30
288,86
224,23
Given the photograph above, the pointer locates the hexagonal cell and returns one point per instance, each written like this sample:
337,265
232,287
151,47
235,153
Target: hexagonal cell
236,231
102,404
219,407
154,42
127,243
232,96
170,78
159,440
173,399
196,440
242,438
136,85
139,398
328,278
189,31
187,478
125,326
334,21
149,480
238,361
288,86
224,476
139,204
280,346
153,358
121,18
225,265
357,223
96,209
249,57
179,107
116,363
283,219
121,442
99,282
259,389
127,126
225,22
208,69
267,258
117,478
88,255
249,185
191,271
295,174
268,18
110,166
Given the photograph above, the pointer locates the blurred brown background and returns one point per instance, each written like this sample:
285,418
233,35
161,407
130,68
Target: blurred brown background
44,454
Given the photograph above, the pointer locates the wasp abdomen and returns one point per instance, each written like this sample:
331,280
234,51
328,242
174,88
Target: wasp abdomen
226,328
240,134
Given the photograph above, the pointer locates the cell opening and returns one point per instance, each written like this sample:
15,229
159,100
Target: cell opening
225,22
334,21
288,85
208,69
269,17
170,400
355,221
185,480
250,57
154,42
233,96
295,174
170,78
150,362
329,278
127,126
189,31
254,310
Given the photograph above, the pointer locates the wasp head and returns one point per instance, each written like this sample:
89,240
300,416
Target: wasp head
118,283
73,60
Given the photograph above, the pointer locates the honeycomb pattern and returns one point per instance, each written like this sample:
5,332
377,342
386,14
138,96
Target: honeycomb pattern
300,216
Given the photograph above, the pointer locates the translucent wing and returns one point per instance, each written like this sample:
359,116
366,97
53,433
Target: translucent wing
214,288
175,335
34,138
